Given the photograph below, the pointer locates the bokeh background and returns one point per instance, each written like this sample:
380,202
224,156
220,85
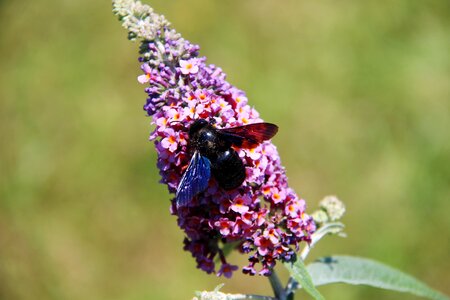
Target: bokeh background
360,90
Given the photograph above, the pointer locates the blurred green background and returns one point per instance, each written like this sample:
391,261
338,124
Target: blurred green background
360,90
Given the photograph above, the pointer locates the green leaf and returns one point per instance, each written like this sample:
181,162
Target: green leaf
300,274
355,270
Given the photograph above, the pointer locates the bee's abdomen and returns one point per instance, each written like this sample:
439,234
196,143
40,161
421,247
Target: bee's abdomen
228,169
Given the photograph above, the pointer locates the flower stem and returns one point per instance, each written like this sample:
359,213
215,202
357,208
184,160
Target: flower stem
278,289
257,297
329,228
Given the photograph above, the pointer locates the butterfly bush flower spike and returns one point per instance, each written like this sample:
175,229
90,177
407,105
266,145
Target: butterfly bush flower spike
264,217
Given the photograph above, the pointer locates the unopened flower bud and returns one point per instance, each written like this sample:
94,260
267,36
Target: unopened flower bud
334,207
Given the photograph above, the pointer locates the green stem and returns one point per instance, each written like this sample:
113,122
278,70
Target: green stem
257,297
328,228
251,297
278,289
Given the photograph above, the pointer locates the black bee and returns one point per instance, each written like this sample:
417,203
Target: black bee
213,153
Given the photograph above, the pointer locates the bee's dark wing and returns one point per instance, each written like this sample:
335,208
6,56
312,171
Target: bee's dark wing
249,136
195,179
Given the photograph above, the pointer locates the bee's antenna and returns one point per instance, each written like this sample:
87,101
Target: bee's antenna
175,122
171,122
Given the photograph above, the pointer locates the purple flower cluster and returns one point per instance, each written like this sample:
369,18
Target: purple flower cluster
263,218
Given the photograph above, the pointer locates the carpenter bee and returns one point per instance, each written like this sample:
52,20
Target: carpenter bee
214,155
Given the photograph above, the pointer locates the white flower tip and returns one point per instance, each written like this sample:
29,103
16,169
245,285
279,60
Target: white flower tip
143,78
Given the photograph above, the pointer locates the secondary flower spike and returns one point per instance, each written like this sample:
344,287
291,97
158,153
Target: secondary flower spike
263,217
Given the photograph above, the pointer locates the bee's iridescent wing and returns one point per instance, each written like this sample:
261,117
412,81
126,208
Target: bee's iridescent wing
249,136
195,179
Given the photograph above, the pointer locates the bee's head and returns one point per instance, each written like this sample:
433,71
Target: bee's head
197,125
